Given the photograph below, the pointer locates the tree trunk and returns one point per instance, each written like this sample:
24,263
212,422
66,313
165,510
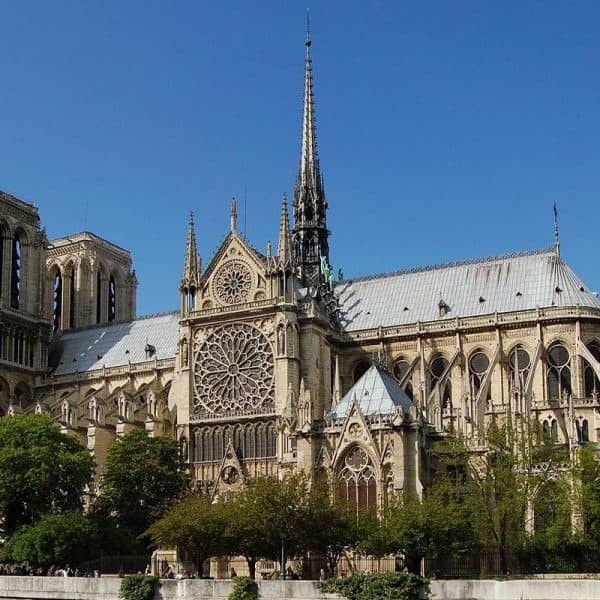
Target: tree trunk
413,564
503,563
251,566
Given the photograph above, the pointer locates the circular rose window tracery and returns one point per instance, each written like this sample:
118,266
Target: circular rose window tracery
233,283
234,371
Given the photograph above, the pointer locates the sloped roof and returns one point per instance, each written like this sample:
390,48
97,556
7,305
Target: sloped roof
377,393
117,344
505,283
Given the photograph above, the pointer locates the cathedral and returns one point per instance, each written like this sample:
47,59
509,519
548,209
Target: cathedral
275,364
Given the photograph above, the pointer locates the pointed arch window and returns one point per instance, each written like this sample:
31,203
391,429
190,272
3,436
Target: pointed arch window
249,444
559,372
478,366
15,279
271,440
357,483
98,297
112,298
590,379
360,369
57,301
72,287
401,368
519,365
437,368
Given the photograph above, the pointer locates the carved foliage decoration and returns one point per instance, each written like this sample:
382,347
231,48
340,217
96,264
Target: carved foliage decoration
233,283
233,372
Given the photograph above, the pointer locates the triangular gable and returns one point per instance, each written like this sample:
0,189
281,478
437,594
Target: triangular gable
231,477
233,237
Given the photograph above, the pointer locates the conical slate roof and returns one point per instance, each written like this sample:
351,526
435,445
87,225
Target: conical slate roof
377,393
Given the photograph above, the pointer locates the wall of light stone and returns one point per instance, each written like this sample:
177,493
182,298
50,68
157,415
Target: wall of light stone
58,588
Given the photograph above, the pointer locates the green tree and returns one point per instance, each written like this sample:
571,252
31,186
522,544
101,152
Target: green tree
437,524
588,474
55,539
144,476
502,480
41,471
195,526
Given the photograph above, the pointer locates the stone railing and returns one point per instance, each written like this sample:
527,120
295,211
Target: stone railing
477,322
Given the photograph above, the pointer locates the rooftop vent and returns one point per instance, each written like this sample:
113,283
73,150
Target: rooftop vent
519,294
557,290
481,299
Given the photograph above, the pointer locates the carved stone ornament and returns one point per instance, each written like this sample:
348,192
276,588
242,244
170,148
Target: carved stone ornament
233,283
229,475
354,430
233,372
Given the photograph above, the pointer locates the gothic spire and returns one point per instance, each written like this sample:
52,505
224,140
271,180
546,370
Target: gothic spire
310,207
191,269
284,244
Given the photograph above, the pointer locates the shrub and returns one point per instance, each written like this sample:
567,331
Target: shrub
244,588
137,587
383,586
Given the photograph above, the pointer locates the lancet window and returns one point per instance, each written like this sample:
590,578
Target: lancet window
360,369
590,379
57,301
98,297
357,483
582,430
437,368
72,286
401,367
559,372
519,365
252,441
112,299
15,280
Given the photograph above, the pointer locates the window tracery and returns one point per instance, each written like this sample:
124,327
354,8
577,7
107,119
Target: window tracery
437,368
233,283
234,372
357,482
590,379
519,364
559,372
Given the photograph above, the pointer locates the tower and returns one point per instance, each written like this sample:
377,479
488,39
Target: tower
310,231
191,271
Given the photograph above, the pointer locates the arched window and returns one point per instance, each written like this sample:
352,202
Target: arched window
400,369
238,440
73,284
15,273
57,301
559,372
357,482
585,432
98,297
554,431
437,368
22,395
261,441
362,366
478,366
519,364
546,430
590,380
551,509
271,440
207,446
249,448
112,299
217,444
198,447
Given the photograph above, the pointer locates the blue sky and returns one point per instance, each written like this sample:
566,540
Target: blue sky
446,129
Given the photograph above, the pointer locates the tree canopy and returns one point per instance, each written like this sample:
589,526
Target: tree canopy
144,476
42,471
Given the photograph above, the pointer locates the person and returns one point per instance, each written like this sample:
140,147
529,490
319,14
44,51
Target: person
322,575
232,573
148,570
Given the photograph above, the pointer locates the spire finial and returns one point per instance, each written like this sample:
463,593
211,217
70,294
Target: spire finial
233,218
307,42
556,237
192,265
284,244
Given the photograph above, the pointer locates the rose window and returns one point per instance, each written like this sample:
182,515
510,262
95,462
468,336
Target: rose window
233,283
357,459
234,372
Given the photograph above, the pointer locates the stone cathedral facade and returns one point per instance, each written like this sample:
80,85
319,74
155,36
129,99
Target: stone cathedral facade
271,364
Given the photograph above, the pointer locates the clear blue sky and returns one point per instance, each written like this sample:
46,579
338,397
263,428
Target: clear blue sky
446,129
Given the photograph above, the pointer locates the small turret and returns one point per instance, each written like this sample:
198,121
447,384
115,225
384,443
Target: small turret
285,253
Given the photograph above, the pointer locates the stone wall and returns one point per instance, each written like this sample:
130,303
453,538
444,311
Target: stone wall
72,588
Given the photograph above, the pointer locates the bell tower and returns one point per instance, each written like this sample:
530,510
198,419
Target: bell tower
310,233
